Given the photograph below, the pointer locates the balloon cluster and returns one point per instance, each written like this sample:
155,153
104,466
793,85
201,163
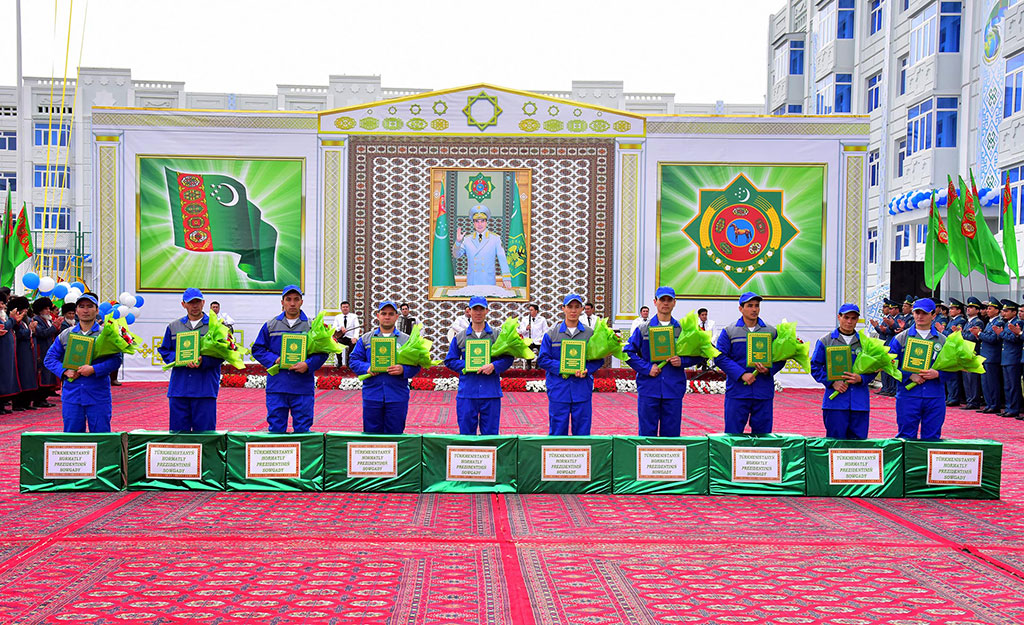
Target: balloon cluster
126,305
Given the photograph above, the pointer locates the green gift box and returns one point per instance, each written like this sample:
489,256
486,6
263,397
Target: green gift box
380,463
175,460
565,464
275,462
469,464
62,461
853,468
767,464
960,469
661,466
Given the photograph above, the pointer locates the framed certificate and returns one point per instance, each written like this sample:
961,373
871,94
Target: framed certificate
383,350
759,349
917,355
78,351
186,349
293,349
838,360
478,354
663,342
573,357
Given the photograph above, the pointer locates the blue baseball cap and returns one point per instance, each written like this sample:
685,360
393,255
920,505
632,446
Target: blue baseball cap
664,291
88,297
385,303
191,293
748,296
478,300
291,287
924,304
570,298
847,308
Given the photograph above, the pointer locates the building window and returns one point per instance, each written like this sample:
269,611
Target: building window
949,26
932,118
52,177
875,19
795,109
1014,79
873,167
56,218
874,86
832,94
844,92
844,19
796,58
901,155
53,259
902,241
904,62
922,35
1016,181
781,110
9,140
825,24
8,181
922,233
872,245
945,122
58,134
779,63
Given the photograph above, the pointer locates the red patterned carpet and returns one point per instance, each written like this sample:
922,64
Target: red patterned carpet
553,559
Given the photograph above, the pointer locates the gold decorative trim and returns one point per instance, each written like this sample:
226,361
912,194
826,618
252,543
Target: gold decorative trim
332,229
333,143
105,269
205,121
656,127
853,290
630,146
108,138
629,212
855,148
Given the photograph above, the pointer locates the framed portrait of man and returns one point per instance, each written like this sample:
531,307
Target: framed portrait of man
480,222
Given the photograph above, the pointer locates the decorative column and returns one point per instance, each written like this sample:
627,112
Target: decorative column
628,206
105,227
334,153
853,211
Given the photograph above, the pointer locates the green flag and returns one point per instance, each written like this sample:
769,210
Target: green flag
1009,231
5,236
957,242
18,244
992,262
211,213
441,271
936,251
516,253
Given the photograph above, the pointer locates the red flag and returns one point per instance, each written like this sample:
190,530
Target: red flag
968,227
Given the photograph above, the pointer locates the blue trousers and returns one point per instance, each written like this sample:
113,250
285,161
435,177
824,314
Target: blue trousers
972,389
954,389
888,383
845,424
659,417
561,413
278,406
478,412
758,412
1011,387
384,417
76,416
193,414
926,413
992,385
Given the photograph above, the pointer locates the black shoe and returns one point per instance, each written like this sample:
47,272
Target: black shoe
1009,415
972,407
989,411
1019,417
44,404
17,408
952,404
116,383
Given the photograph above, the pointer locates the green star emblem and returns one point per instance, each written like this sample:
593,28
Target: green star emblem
480,187
486,111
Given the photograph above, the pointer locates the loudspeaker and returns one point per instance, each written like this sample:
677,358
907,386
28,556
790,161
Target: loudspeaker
906,277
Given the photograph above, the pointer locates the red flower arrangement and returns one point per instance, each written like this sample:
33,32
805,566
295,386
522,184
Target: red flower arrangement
604,385
233,380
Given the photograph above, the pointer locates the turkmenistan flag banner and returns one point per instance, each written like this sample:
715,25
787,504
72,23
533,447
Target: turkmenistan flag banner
211,213
958,248
516,253
442,273
993,265
17,248
936,251
1009,231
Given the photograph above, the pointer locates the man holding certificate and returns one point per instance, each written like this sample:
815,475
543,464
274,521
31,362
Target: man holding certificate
195,379
923,406
478,401
660,373
569,375
846,416
282,341
386,392
746,360
85,394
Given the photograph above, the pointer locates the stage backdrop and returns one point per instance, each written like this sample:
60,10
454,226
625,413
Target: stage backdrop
726,229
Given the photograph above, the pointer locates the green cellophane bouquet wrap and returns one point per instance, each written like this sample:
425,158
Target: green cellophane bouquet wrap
692,340
787,346
218,342
415,352
319,340
115,338
509,343
874,356
604,343
956,354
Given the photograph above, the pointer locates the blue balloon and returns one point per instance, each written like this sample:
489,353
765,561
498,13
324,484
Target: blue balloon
79,286
60,290
116,313
139,301
105,308
115,305
31,280
129,319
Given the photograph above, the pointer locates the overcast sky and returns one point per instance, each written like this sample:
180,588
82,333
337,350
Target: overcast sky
701,50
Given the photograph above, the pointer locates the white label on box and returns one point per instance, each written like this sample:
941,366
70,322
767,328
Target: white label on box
855,466
565,464
472,464
272,460
757,464
373,459
69,461
665,464
954,467
176,461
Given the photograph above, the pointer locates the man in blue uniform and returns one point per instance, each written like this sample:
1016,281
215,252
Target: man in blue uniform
85,395
905,319
847,415
569,399
385,394
478,400
972,381
886,329
291,389
991,349
922,407
941,313
748,397
956,323
1010,359
660,390
192,392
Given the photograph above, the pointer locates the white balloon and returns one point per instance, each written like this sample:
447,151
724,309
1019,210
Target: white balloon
133,311
126,299
73,292
46,284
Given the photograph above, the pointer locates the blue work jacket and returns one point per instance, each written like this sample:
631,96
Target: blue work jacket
267,349
571,389
382,386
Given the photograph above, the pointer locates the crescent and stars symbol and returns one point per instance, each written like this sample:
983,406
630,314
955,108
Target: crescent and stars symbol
234,193
745,194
